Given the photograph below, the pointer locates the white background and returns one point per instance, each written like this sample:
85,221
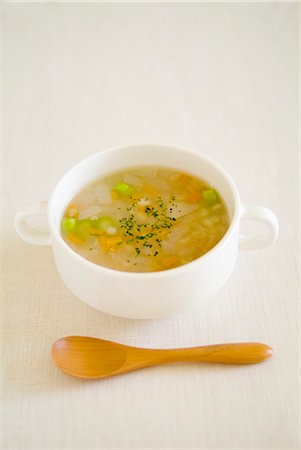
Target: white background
220,78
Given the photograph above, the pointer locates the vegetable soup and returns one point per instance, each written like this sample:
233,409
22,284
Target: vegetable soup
145,219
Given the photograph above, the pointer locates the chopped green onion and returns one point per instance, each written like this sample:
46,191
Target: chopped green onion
103,223
68,224
83,227
210,197
123,188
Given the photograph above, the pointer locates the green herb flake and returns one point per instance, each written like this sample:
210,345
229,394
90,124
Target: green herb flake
136,232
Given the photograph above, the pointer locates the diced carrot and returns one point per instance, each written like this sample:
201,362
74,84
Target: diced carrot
114,195
97,232
149,191
72,211
192,196
156,267
170,261
110,244
75,239
196,184
184,178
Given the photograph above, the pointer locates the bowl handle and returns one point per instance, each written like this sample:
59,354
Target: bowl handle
28,233
259,214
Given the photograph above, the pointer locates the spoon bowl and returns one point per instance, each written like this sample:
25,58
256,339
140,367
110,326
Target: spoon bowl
88,357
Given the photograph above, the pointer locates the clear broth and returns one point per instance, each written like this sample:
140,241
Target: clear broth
145,219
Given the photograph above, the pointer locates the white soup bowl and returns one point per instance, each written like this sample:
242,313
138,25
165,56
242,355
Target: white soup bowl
153,294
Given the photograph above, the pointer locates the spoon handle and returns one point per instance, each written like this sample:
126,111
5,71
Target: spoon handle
240,353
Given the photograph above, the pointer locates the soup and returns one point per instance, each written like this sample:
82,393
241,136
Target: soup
145,219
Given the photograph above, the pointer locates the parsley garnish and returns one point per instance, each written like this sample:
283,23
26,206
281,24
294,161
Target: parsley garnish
145,235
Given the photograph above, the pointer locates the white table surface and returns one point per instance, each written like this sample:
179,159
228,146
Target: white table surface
220,78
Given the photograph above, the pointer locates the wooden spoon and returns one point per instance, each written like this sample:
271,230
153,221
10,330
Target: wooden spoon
88,357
